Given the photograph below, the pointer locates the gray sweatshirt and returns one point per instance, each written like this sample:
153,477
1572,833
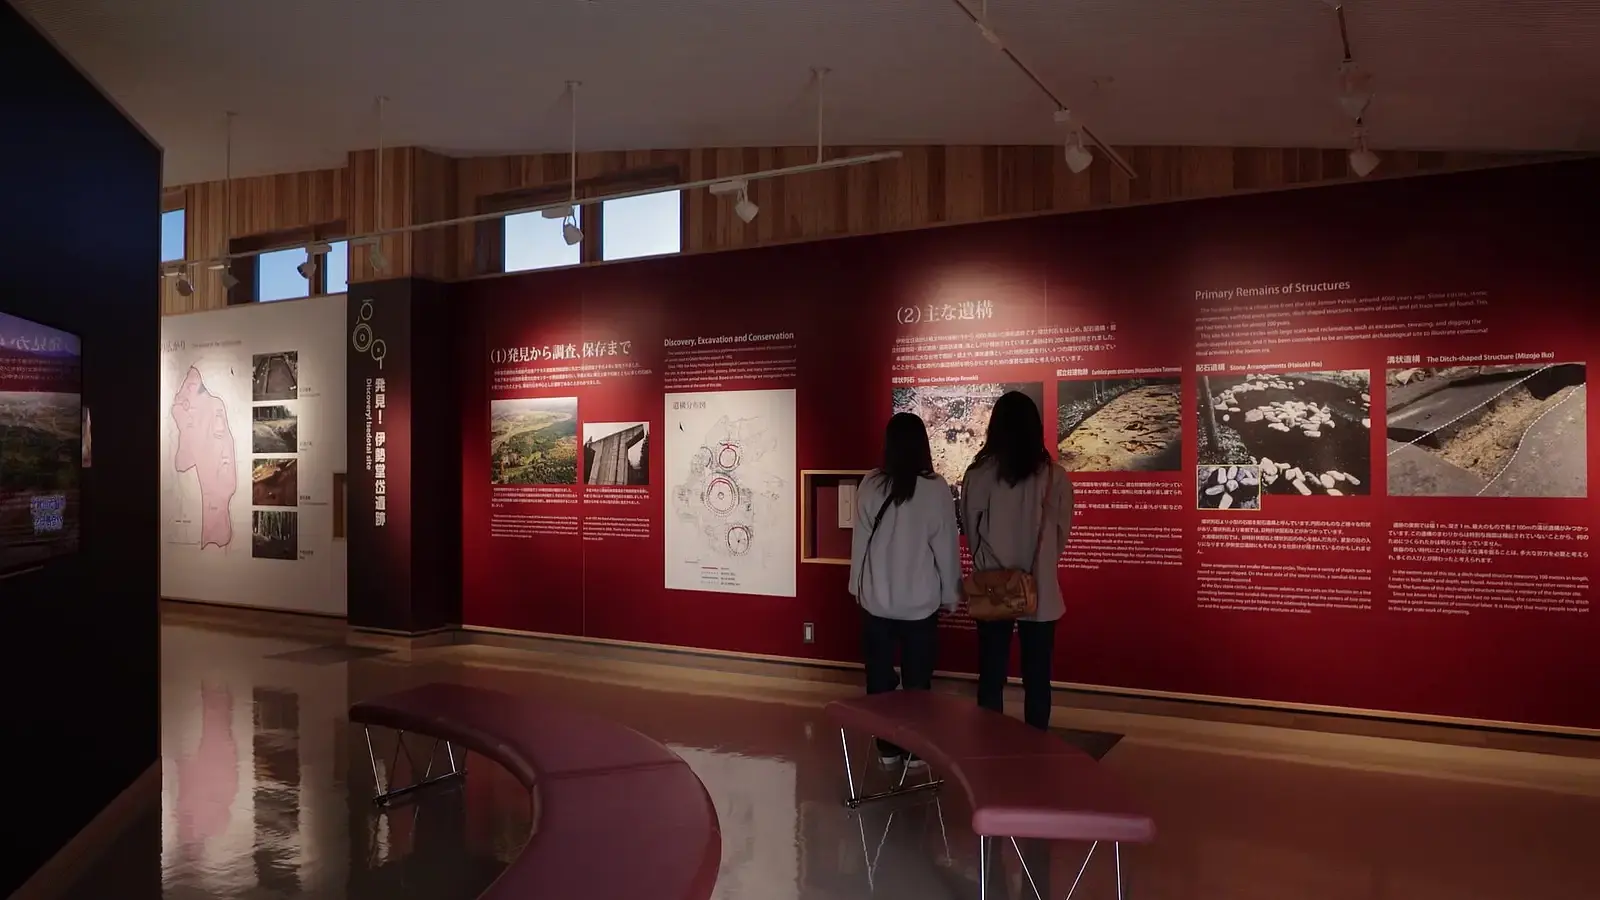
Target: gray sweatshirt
911,566
1002,526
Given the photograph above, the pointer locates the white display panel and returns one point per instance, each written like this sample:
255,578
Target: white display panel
731,488
252,417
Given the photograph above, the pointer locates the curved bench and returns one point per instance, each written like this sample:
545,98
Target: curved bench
599,789
1019,781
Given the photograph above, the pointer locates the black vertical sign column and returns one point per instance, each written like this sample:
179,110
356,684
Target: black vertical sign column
404,458
379,446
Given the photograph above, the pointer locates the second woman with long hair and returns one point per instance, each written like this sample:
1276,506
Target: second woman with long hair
1016,508
905,563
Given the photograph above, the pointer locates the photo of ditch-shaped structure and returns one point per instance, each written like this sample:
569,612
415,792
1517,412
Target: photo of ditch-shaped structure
1488,431
1309,433
616,454
1120,425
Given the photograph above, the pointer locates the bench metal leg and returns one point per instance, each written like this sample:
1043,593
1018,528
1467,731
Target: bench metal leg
900,789
384,794
985,850
1026,871
1116,850
1083,868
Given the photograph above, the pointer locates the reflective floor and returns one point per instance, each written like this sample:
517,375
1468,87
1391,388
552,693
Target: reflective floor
265,788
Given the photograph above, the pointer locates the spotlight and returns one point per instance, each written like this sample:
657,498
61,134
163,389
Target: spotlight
307,269
375,257
570,232
740,189
1363,161
185,286
1078,156
228,281
744,209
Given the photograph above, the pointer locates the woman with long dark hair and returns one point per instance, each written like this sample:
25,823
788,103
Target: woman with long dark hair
905,563
1016,507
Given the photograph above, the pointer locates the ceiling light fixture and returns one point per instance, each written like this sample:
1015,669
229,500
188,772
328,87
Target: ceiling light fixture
739,189
980,19
375,257
1078,156
307,269
223,266
1362,160
744,209
185,287
570,232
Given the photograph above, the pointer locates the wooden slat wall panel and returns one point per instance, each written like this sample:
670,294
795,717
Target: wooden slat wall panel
928,186
260,205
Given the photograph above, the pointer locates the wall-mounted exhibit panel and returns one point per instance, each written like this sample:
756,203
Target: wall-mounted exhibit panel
1329,447
253,434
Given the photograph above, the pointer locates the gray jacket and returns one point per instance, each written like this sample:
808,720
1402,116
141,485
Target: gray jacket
1001,523
911,567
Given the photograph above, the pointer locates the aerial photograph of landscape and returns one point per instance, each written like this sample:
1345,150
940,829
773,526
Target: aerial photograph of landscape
533,441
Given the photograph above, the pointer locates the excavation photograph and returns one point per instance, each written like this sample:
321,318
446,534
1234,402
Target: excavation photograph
1309,433
1229,487
1488,431
1120,425
957,416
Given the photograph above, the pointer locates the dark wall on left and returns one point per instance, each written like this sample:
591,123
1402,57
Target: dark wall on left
80,671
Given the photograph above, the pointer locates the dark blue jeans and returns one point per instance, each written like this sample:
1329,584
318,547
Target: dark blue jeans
917,641
1038,640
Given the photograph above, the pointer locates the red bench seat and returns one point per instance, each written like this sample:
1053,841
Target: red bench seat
618,816
1019,781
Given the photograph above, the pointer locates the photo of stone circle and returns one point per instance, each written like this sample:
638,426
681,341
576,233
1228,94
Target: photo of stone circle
1120,425
1229,487
1488,431
1309,433
957,416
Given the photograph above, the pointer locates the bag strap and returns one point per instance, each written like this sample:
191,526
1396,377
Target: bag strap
866,552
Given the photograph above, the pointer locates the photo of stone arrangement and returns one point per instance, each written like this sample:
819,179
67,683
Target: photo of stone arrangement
1229,487
1307,433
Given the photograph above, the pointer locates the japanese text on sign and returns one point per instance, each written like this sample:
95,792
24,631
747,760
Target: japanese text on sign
587,350
965,311
380,455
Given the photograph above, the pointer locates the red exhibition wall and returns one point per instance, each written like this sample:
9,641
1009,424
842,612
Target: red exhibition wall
1329,446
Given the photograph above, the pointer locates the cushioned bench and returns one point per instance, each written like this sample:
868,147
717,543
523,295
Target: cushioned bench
1019,781
617,814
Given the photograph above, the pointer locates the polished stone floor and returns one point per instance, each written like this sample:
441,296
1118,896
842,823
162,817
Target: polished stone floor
265,788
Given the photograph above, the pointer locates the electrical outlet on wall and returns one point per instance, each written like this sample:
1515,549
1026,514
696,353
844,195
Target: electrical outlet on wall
810,632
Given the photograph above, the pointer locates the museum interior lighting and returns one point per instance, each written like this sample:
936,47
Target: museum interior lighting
1362,159
314,252
1077,155
744,209
739,189
375,257
570,232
